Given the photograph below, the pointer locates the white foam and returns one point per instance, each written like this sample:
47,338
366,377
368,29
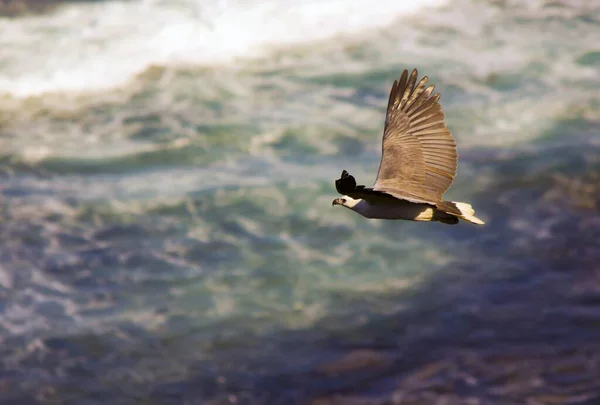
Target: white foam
87,47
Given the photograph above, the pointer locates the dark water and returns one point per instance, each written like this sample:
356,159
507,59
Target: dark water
172,241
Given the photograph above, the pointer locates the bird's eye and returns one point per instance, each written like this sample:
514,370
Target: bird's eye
343,201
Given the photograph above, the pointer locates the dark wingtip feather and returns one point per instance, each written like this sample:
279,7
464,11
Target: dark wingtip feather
345,184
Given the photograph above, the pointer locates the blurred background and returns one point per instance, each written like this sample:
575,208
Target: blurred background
167,237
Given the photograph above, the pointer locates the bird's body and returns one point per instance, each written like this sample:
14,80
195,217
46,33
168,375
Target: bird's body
418,163
396,209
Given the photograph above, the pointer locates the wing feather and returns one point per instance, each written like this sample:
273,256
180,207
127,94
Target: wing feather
419,157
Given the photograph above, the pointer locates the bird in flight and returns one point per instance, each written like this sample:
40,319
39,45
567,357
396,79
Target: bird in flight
418,162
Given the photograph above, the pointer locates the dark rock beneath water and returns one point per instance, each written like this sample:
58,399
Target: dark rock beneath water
354,361
18,8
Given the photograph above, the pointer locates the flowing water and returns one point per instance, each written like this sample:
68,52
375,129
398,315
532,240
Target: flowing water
167,235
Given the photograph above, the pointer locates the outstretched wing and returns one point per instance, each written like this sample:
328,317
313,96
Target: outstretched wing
419,157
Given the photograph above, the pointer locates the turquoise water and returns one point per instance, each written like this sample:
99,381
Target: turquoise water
167,229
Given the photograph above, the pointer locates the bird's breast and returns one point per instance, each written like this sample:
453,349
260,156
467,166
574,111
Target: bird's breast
395,210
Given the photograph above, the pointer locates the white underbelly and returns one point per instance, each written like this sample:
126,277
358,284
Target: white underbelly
400,210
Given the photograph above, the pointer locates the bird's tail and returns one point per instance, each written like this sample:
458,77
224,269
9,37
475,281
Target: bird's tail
461,210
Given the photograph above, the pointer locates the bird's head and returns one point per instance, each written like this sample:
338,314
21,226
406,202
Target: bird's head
345,201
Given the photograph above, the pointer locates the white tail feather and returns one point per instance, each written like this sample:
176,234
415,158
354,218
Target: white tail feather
468,213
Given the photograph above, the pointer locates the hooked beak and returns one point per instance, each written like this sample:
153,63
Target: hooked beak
336,202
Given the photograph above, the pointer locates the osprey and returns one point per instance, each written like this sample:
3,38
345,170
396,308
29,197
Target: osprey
418,162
